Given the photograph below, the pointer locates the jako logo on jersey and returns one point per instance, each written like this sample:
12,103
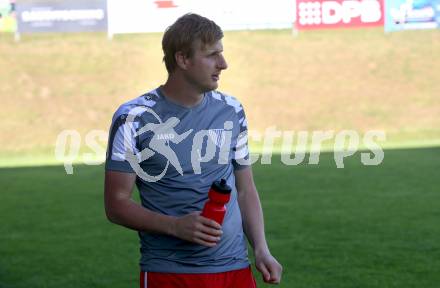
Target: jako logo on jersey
165,136
338,12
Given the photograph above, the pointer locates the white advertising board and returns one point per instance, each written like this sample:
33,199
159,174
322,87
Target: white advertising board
139,16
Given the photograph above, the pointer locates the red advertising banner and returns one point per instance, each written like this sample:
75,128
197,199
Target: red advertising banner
317,14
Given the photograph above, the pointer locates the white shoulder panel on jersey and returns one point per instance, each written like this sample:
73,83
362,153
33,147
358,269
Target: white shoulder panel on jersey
216,95
230,100
234,103
145,100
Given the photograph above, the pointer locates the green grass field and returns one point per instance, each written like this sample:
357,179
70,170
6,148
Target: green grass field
362,226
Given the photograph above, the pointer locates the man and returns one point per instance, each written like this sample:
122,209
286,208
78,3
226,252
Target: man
206,131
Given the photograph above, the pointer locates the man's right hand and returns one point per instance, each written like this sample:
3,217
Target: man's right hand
197,229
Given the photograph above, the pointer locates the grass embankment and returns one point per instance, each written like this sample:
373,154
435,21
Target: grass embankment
322,80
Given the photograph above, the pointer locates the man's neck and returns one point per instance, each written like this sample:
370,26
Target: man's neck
181,92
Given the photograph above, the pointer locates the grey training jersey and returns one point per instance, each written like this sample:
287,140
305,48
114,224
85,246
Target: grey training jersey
177,153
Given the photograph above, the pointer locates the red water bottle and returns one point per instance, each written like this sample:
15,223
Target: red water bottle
219,195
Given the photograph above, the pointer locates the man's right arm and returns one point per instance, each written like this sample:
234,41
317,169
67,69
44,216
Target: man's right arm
121,209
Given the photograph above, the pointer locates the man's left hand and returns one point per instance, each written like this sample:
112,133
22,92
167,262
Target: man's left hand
269,267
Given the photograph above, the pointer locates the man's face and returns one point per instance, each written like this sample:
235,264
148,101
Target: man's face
205,65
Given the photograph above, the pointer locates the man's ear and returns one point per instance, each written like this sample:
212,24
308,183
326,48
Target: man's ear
181,60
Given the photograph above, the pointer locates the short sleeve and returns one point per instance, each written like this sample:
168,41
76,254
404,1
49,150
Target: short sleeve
240,158
122,142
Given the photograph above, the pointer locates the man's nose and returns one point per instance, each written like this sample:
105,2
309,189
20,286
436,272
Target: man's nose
222,63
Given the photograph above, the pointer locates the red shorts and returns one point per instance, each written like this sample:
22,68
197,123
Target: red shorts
241,278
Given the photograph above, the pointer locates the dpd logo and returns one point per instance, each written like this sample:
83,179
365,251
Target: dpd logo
339,13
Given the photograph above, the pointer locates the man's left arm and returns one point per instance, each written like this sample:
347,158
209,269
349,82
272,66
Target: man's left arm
253,223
